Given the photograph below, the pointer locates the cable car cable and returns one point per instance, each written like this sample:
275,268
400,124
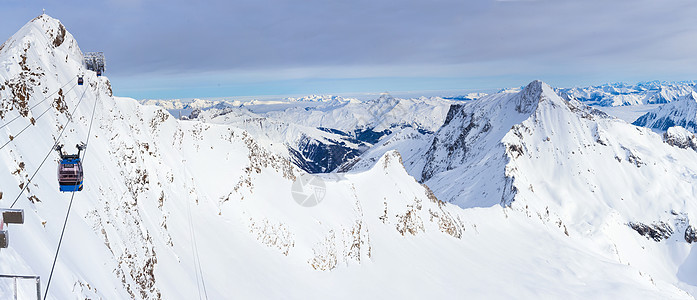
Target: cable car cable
32,107
70,118
67,214
193,252
28,125
89,130
197,260
60,241
12,138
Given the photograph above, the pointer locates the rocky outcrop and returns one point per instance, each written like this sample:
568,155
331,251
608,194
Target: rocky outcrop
657,231
678,136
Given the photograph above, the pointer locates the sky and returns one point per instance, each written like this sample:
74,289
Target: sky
160,49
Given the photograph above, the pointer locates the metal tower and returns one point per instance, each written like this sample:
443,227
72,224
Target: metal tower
95,61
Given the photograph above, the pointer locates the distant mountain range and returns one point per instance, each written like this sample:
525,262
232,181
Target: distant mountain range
611,94
618,94
322,133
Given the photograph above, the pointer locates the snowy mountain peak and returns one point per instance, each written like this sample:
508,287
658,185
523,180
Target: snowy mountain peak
44,33
535,92
681,112
392,160
51,26
472,130
687,99
691,96
385,99
41,58
385,95
42,46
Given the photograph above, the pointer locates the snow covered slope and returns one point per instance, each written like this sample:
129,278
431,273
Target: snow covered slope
682,112
169,205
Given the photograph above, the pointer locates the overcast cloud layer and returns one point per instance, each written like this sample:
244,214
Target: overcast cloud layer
167,49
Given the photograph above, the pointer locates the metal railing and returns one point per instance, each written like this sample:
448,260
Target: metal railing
17,277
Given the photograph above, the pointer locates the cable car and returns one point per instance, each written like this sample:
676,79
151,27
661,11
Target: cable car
80,81
70,173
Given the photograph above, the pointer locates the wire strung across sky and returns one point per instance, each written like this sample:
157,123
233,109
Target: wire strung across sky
46,98
67,214
70,118
12,138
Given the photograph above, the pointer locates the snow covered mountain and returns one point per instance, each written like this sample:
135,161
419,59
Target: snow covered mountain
569,166
618,94
682,112
555,199
483,143
323,133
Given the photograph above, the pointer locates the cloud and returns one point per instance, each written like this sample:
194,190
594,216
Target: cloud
310,39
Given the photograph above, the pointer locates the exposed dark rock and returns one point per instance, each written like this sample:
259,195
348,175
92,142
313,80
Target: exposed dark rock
60,36
657,231
690,234
314,156
515,150
644,120
664,123
194,114
454,110
370,136
529,97
509,192
457,142
681,138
